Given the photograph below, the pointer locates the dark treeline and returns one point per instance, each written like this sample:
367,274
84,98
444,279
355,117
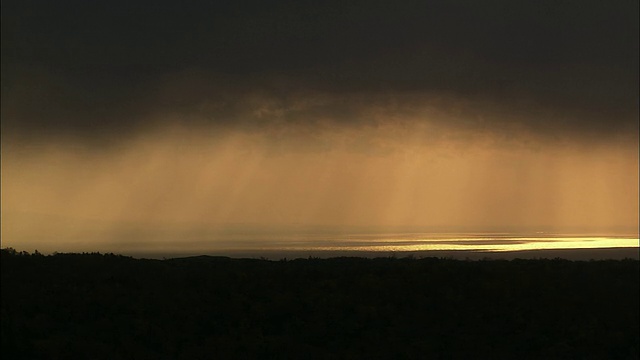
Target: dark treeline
95,306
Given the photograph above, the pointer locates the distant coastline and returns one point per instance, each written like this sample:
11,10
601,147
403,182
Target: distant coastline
569,254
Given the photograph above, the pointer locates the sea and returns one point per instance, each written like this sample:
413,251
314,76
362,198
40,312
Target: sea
489,245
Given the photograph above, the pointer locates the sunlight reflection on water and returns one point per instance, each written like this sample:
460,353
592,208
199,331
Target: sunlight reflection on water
316,243
499,243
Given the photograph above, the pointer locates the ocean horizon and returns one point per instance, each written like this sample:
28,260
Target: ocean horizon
497,245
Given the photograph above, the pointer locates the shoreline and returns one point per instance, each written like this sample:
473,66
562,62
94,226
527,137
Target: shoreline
583,254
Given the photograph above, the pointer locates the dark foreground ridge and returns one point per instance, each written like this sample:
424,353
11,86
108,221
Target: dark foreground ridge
95,306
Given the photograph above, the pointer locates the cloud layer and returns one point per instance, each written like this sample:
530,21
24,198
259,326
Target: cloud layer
110,68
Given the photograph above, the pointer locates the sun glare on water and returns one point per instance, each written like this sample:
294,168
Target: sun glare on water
490,244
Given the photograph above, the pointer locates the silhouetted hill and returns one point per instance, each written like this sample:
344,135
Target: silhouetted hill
105,306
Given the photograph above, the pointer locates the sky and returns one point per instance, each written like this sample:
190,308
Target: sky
150,122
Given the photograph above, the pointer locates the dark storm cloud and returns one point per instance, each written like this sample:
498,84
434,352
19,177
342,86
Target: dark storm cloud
103,67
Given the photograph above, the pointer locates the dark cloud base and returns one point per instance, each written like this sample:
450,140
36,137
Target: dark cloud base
107,69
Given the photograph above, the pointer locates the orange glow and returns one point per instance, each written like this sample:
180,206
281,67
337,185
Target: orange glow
177,184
